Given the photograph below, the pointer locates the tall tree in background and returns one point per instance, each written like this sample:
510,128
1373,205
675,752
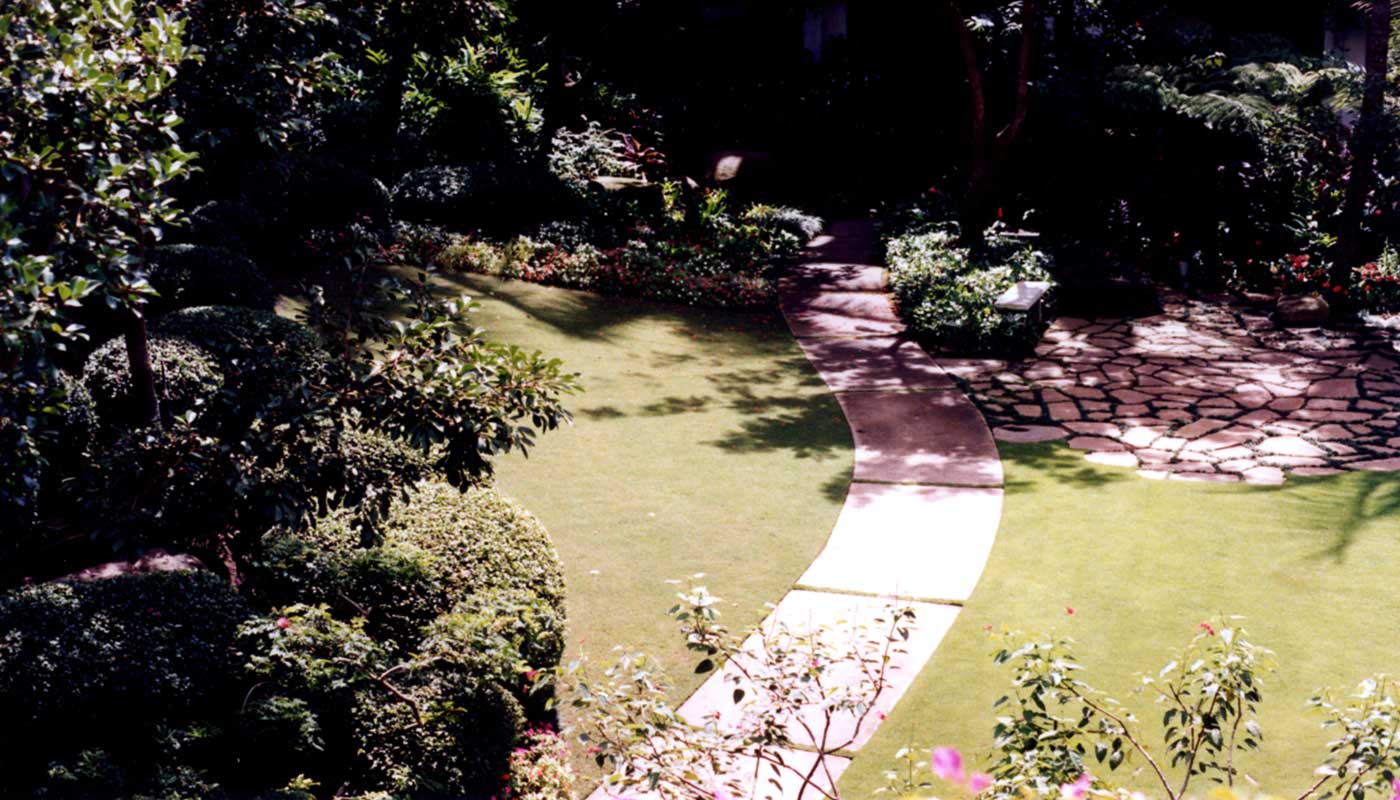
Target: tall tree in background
990,145
1366,139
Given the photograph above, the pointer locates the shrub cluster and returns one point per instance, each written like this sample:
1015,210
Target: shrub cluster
202,275
692,251
947,294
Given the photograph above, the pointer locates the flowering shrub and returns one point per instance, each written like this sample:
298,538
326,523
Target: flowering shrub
946,294
781,688
1056,735
575,157
694,252
540,769
1378,283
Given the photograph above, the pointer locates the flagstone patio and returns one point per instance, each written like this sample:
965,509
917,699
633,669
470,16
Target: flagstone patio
1201,391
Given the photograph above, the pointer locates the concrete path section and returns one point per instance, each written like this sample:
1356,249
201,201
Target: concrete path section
920,516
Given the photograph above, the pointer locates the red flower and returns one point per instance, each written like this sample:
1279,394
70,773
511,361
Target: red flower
1207,628
283,623
1069,610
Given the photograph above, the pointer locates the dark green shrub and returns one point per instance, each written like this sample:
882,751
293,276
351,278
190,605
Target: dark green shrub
258,351
325,193
459,196
187,379
948,296
230,224
201,275
112,665
462,754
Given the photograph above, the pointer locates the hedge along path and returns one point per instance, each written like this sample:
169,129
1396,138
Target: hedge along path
924,503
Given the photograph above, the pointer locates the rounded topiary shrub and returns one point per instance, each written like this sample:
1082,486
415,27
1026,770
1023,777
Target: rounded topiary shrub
106,665
260,352
477,541
200,275
187,378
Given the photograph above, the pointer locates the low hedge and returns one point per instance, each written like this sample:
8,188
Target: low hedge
947,296
109,670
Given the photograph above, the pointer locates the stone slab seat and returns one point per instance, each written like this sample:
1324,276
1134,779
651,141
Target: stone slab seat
830,313
806,611
873,364
921,437
925,542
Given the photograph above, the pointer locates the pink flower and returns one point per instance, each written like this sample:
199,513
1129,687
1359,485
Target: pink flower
1395,789
1206,626
1069,610
947,764
1076,790
283,623
979,782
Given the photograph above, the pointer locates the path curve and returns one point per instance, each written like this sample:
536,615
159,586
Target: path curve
925,498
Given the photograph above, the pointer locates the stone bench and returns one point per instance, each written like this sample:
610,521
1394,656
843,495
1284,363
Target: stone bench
1023,298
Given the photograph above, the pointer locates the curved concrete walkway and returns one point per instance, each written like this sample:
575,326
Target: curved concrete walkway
925,499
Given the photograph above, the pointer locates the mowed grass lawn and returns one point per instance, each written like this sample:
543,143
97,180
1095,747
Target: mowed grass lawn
703,442
1314,566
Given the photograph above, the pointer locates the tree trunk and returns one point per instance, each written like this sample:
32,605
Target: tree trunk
1364,142
143,377
988,150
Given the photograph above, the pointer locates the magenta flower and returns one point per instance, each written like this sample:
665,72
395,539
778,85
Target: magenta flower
1076,790
1395,789
283,623
979,782
947,764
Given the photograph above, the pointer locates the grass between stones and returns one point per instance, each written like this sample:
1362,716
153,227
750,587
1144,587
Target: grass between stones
703,442
1311,564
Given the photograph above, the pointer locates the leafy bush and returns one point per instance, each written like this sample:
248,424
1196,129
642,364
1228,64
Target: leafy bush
803,227
201,275
440,549
947,295
1378,282
264,356
576,157
477,540
453,195
540,770
433,722
187,379
113,665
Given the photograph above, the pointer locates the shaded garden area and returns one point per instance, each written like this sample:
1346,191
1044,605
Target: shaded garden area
376,375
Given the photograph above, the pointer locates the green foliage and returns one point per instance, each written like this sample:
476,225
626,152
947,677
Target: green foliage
948,295
87,154
1378,282
432,723
454,195
115,665
540,770
186,275
188,379
264,357
803,227
576,157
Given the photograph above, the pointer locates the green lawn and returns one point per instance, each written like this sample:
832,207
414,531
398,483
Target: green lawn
1312,564
703,442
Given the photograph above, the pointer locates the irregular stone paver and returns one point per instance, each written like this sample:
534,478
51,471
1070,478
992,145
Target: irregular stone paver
1217,387
920,437
925,499
924,542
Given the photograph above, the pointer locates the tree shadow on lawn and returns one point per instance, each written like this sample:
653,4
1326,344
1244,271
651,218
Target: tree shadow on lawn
1058,463
1347,504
